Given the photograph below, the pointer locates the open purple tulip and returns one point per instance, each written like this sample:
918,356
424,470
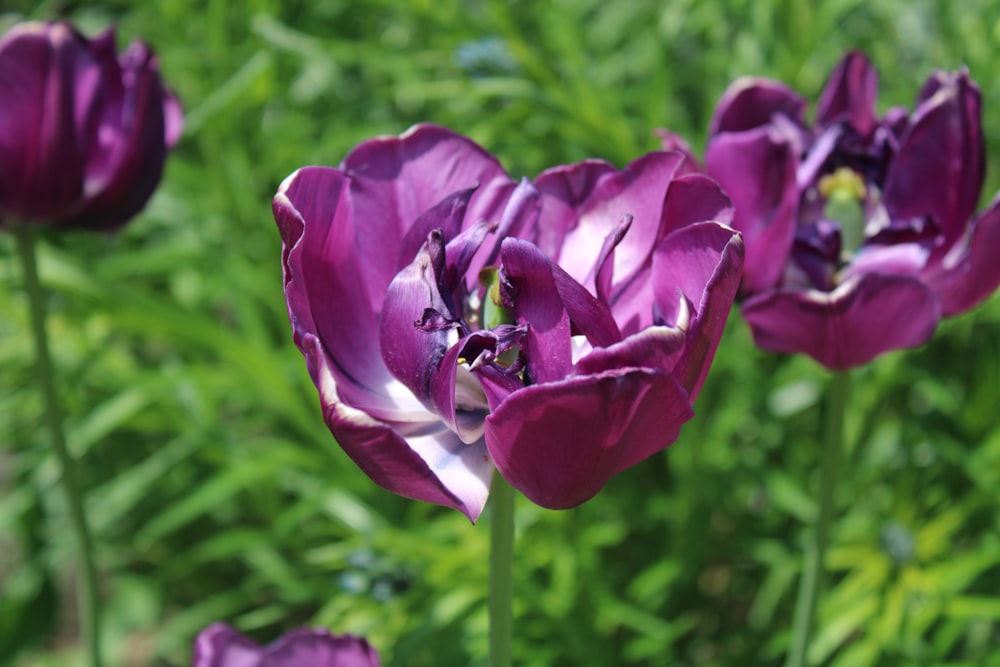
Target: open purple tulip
219,645
859,229
84,132
456,321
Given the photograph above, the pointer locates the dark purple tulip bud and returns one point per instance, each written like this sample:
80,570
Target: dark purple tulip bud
219,645
457,322
860,230
84,131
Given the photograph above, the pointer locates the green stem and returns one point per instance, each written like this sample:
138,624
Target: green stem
501,571
89,605
812,573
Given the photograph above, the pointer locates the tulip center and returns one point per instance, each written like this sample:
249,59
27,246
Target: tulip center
845,193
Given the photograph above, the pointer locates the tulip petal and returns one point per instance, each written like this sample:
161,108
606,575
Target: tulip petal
639,190
531,290
850,94
752,102
219,645
395,179
758,170
940,166
863,318
446,216
970,272
560,443
701,264
313,211
430,464
656,347
135,161
564,189
42,149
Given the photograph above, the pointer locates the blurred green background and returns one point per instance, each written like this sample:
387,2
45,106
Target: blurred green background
216,492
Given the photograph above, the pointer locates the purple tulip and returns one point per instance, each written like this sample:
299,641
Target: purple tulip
859,229
455,321
219,645
83,131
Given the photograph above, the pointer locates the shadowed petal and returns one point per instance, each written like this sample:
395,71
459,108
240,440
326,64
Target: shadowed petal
411,352
560,443
135,157
970,272
752,102
758,170
850,94
530,289
848,327
42,148
940,166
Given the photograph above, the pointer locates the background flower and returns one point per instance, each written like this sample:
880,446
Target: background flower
83,132
219,645
454,320
859,228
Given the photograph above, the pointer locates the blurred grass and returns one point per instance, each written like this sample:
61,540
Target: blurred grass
217,493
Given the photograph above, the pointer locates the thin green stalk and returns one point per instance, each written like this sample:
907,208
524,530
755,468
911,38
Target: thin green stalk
811,584
89,605
501,571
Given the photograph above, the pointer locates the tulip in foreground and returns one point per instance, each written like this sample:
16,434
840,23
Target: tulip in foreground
456,321
859,228
219,645
84,132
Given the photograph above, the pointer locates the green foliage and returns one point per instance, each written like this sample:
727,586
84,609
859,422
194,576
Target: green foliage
217,493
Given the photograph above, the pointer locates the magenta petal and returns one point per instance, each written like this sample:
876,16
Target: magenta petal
752,102
564,189
701,264
534,300
219,645
671,141
430,463
394,180
639,190
758,170
655,347
313,211
940,166
695,198
970,272
850,94
848,327
560,443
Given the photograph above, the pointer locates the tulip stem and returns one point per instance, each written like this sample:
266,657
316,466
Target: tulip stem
501,571
89,605
811,584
